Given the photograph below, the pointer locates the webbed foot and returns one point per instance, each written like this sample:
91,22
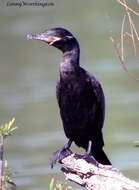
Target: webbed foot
60,154
88,155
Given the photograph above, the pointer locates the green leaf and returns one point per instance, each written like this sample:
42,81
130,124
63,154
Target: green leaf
51,185
7,129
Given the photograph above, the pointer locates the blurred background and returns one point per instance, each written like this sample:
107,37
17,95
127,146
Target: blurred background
28,75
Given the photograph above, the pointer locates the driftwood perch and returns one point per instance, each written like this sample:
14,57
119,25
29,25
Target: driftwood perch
94,176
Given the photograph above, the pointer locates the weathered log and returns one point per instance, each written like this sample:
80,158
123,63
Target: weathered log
87,172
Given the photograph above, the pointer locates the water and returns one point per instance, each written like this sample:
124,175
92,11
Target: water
28,74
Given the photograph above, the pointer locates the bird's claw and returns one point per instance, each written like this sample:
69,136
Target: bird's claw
88,155
90,158
55,158
59,155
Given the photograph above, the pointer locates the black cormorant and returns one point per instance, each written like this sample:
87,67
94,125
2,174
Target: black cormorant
79,94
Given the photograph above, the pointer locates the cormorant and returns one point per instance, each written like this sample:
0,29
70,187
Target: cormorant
79,94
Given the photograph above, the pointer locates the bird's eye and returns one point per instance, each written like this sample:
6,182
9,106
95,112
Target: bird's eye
69,37
66,38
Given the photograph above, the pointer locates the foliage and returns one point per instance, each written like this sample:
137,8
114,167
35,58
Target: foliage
7,129
5,176
56,185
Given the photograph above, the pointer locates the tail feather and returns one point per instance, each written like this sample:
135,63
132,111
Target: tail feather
100,156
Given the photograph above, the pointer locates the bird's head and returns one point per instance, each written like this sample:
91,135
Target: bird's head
57,37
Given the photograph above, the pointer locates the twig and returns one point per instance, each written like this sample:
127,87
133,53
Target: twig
132,31
133,34
122,38
134,28
127,7
123,61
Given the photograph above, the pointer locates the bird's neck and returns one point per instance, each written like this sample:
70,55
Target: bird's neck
70,61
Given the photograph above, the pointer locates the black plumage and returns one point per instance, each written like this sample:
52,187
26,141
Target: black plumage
79,94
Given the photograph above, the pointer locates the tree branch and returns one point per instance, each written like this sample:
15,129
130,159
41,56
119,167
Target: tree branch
87,172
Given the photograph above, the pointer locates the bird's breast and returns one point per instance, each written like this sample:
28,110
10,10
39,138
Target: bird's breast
73,95
72,88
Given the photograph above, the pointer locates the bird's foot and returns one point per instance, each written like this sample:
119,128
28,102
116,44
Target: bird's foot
89,158
60,154
88,155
